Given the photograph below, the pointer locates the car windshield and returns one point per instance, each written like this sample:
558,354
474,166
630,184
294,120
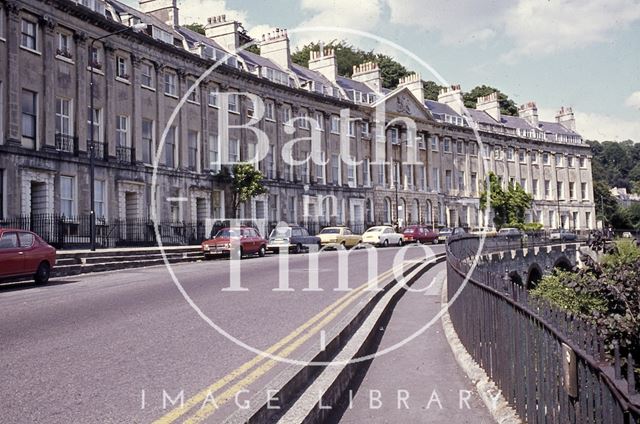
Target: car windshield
281,232
445,230
375,230
330,231
227,233
409,230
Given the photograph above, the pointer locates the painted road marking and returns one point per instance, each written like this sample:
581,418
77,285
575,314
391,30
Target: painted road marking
323,340
176,413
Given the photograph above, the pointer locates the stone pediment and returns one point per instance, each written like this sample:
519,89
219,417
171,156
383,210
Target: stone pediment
402,102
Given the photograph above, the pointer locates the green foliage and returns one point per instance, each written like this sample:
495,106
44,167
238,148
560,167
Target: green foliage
606,295
431,90
626,253
253,48
507,106
246,183
195,27
347,56
509,206
617,164
555,289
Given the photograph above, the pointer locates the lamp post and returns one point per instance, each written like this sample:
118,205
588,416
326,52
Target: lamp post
92,187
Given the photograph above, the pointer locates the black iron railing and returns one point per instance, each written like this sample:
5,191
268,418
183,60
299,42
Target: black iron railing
74,232
518,340
66,144
125,154
100,150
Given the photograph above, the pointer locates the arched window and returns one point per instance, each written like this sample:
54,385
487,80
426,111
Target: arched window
428,213
387,210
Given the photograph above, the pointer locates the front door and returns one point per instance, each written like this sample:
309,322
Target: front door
11,255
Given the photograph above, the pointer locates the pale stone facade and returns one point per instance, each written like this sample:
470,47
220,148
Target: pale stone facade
45,69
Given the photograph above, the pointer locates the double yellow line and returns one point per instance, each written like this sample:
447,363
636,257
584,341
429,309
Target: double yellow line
288,344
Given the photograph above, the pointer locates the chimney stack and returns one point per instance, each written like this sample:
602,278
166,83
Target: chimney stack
414,83
226,33
452,97
275,46
566,118
165,10
490,104
324,61
368,73
529,111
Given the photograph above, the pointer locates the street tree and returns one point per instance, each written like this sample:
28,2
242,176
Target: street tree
246,183
509,206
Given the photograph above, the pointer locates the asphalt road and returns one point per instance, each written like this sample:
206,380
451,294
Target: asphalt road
120,347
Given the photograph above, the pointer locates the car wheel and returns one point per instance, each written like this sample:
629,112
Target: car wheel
400,242
298,248
435,241
262,251
42,274
385,243
343,245
241,253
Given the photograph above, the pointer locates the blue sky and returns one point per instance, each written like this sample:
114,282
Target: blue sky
579,53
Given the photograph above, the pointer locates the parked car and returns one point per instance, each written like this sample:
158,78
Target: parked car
562,235
420,234
486,231
247,239
382,235
627,234
294,238
339,236
510,233
444,234
23,253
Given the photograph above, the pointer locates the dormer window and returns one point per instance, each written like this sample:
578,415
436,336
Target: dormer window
95,5
161,35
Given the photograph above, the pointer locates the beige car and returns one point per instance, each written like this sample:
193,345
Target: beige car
339,236
487,231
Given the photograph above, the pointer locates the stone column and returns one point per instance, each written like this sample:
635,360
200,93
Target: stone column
47,141
109,109
136,110
82,90
13,128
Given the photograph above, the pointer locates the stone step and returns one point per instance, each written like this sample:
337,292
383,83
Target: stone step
132,258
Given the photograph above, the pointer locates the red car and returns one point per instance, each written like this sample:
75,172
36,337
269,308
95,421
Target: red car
246,238
420,234
23,253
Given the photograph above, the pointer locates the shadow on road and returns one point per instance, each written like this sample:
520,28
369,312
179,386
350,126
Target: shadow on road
10,286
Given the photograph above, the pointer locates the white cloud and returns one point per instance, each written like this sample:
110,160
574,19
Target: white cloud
199,10
455,21
363,15
633,100
542,27
596,126
534,27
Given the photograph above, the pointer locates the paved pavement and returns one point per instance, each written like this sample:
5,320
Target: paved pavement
120,347
420,382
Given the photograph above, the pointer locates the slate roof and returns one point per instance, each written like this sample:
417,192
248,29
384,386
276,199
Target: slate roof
556,128
144,17
440,109
193,38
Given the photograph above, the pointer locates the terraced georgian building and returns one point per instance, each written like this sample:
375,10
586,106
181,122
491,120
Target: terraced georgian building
45,68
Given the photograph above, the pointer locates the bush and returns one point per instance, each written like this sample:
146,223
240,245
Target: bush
561,290
626,252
